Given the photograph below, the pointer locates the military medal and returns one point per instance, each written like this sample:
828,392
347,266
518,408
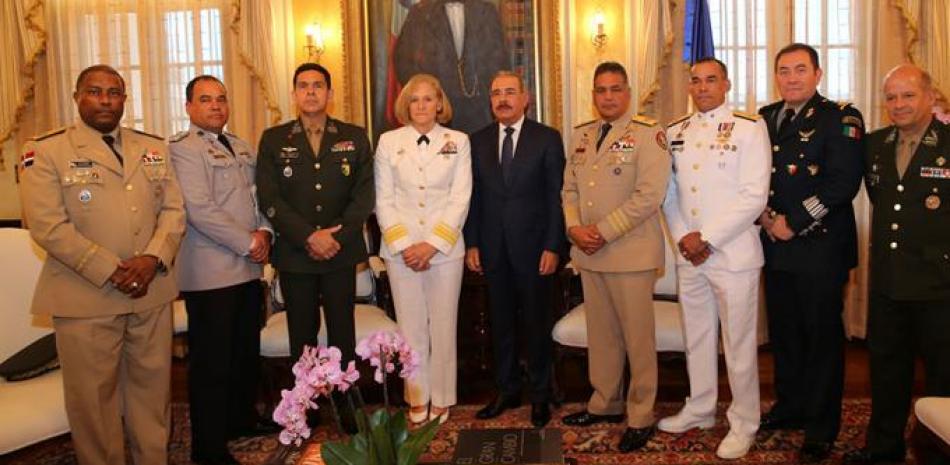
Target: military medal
288,171
617,171
345,167
941,161
792,169
806,135
776,148
85,196
813,170
932,202
271,212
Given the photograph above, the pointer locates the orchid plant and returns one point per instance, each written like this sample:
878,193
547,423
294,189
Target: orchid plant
383,438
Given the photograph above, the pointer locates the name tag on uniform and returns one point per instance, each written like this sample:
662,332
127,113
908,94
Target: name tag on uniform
288,153
934,172
75,164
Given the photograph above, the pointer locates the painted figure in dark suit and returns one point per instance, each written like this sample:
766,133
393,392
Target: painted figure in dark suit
810,243
315,185
908,180
461,43
514,234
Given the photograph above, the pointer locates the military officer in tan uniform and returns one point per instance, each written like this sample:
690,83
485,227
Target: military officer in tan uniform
614,183
104,203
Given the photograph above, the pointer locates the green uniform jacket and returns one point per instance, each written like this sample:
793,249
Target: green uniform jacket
910,227
301,192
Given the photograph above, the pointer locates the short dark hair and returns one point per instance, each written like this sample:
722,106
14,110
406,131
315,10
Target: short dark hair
312,67
611,67
722,66
795,47
101,69
190,88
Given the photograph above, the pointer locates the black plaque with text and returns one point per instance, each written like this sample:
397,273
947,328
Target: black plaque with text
509,446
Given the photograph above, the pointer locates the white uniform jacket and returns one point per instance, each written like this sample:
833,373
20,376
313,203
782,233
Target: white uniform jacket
221,207
720,184
423,192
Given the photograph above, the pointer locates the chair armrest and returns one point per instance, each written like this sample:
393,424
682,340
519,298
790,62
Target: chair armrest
384,295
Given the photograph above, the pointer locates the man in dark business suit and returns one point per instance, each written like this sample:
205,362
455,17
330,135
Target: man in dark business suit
514,233
810,243
462,44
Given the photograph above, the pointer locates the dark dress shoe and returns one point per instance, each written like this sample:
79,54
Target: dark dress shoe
814,452
864,456
498,405
586,418
540,414
635,438
771,422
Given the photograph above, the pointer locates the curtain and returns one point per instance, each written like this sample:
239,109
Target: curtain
936,53
25,41
653,51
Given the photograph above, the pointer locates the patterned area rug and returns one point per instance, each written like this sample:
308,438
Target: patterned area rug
589,446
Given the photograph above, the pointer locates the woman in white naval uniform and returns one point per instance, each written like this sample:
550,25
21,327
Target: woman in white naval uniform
423,185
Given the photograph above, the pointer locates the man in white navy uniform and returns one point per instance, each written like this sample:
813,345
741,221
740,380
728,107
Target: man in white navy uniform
721,166
219,270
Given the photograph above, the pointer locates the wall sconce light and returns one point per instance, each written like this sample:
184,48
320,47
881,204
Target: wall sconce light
599,38
315,46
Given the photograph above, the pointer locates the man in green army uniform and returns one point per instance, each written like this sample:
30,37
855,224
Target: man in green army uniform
908,180
315,185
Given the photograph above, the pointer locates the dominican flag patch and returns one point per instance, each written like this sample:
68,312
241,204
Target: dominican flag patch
26,160
851,131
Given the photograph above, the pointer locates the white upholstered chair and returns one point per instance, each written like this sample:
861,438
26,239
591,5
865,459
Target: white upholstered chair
33,409
571,329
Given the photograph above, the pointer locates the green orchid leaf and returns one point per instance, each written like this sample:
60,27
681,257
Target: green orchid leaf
417,442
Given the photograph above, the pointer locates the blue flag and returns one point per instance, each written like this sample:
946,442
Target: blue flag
697,32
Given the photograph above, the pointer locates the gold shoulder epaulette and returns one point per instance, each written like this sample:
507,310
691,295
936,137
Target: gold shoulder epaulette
178,137
644,120
679,120
146,134
843,104
50,134
746,116
585,124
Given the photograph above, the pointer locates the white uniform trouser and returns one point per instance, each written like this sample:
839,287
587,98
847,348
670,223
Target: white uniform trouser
427,312
711,297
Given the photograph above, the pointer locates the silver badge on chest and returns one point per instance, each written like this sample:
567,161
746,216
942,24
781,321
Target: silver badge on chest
288,171
85,196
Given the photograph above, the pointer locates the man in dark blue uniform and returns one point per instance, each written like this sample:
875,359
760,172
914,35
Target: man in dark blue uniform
315,185
908,180
810,244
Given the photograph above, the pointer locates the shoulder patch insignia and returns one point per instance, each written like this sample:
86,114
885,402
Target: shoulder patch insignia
746,116
585,124
50,134
153,136
644,120
178,137
853,121
679,120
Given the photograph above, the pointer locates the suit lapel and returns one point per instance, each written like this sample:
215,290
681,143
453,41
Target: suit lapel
331,134
441,29
89,144
132,152
925,153
521,150
491,159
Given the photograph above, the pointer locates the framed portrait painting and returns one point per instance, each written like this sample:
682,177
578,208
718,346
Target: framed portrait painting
463,43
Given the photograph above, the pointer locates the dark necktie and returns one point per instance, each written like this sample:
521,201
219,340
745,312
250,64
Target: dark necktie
224,141
421,139
603,134
786,118
507,154
109,140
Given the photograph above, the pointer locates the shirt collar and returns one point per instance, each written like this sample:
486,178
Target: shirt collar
115,133
517,125
715,113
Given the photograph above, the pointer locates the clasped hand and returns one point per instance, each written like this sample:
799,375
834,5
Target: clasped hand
132,276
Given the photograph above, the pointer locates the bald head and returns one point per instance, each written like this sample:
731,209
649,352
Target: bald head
909,97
